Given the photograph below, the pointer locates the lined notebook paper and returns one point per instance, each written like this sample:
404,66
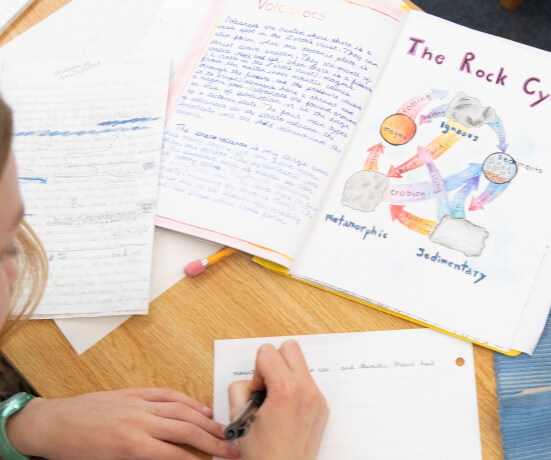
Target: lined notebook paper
391,394
87,143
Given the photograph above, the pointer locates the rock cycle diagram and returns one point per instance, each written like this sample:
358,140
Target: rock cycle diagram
464,116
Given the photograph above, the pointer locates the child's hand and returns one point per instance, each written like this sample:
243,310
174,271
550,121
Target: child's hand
291,421
132,423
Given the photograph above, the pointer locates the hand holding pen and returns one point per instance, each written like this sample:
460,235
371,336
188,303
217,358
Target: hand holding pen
241,423
291,420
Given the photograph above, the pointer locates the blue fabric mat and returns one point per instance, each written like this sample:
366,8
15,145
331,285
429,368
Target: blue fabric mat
525,419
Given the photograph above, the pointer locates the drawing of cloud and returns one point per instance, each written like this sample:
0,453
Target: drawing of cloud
460,234
469,111
364,190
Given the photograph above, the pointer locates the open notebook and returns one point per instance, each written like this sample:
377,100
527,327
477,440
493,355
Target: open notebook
391,394
390,156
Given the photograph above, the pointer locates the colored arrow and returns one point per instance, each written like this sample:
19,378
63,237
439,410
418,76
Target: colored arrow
438,112
498,127
457,180
371,164
490,194
417,224
440,192
458,203
412,107
436,148
405,193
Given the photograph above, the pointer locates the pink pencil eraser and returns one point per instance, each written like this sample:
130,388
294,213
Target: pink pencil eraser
194,268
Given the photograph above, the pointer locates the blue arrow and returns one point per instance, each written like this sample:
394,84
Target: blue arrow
439,93
438,185
491,192
498,127
458,202
457,180
438,112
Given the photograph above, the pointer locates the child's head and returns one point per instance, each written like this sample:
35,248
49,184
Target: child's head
20,251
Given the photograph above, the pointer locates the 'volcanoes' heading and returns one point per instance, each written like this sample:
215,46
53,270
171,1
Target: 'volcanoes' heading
279,7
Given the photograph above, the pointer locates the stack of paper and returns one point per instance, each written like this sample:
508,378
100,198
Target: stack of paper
116,29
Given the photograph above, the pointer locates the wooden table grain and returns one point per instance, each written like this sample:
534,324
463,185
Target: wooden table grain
173,345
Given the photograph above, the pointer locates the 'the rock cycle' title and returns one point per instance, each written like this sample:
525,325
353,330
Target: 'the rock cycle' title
532,85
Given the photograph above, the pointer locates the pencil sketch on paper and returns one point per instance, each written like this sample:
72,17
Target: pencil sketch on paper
364,190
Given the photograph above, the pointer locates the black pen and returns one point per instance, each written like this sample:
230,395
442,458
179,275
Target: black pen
240,425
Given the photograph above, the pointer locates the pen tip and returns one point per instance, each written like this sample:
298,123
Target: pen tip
194,268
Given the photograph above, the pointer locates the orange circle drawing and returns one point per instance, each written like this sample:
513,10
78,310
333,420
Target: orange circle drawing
398,129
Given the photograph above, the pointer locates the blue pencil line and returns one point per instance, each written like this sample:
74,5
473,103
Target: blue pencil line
50,133
124,122
37,179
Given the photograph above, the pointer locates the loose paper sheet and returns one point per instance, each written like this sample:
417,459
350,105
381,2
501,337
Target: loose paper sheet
172,251
87,143
85,29
115,28
391,394
536,310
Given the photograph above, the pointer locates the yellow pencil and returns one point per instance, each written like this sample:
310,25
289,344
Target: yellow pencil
198,266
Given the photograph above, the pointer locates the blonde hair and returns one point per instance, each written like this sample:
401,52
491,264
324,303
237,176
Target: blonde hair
31,280
31,256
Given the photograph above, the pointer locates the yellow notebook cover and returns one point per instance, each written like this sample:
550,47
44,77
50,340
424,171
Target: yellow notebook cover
279,269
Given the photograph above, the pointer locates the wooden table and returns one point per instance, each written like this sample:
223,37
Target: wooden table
173,345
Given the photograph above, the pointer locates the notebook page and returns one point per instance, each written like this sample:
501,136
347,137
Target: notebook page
87,142
446,241
10,11
391,394
536,310
265,117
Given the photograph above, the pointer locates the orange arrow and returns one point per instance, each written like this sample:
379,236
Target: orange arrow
435,148
371,163
417,224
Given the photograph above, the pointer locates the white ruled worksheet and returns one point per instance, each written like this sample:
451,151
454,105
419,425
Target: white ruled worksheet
87,141
406,394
